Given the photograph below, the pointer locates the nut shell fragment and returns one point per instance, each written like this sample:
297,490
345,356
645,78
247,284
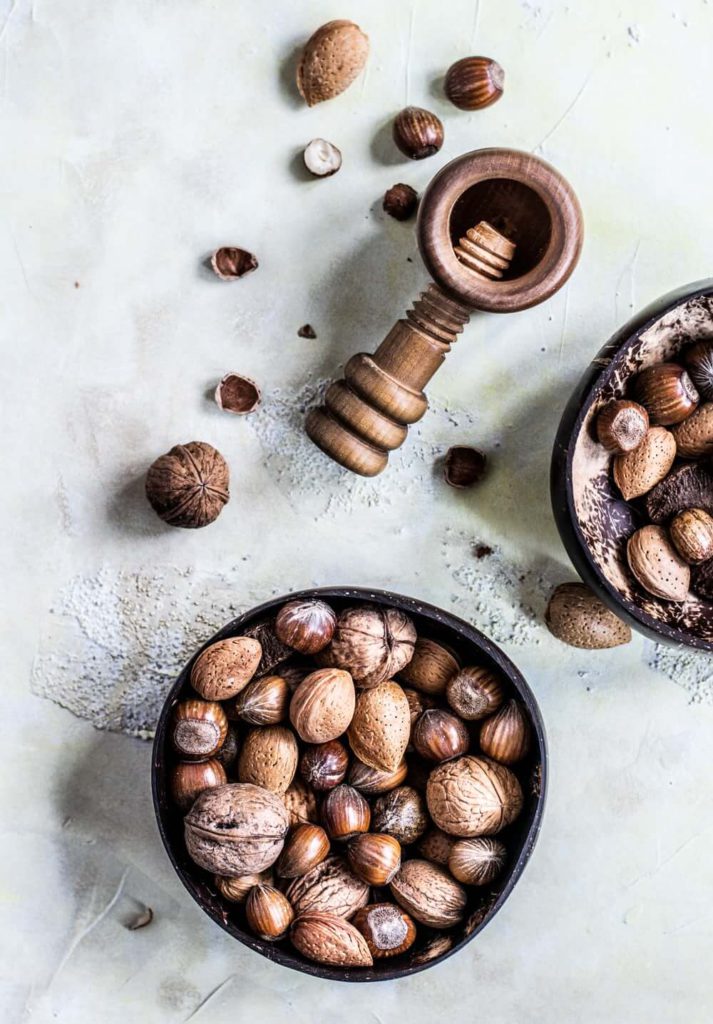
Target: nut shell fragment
237,394
230,262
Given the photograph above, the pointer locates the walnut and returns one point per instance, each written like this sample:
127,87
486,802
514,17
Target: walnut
188,486
372,643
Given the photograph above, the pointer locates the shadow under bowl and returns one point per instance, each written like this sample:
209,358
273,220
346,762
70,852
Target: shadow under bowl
593,519
431,946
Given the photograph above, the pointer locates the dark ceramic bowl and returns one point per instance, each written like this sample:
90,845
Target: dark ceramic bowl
431,946
593,520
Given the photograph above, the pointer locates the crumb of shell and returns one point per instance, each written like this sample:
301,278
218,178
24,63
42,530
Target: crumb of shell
689,669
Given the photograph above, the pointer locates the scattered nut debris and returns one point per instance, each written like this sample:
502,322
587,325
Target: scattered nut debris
482,550
400,201
230,262
144,918
322,158
307,331
332,58
464,466
237,394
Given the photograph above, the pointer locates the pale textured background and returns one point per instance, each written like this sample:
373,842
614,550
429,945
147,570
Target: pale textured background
136,137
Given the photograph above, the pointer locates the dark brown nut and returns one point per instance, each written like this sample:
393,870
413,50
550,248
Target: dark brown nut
188,779
300,804
230,262
473,796
387,929
274,652
656,564
306,331
400,201
264,701
371,780
345,813
324,766
417,133
306,847
474,83
374,858
237,394
379,731
699,363
429,894
475,692
464,466
417,703
692,535
322,158
307,626
236,829
436,846
332,58
430,668
268,912
577,617
329,888
477,861
268,758
666,392
506,736
199,729
236,889
401,814
438,735
322,706
229,751
329,939
622,426
702,580
694,437
687,486
222,670
189,485
372,643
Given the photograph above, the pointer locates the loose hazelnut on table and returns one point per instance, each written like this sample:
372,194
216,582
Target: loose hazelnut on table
418,133
474,83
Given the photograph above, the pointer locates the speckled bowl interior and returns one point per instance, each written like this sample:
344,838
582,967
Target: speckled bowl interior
431,946
594,521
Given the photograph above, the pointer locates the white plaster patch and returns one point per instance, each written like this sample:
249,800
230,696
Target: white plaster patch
691,670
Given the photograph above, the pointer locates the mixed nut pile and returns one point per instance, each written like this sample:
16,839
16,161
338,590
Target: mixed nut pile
333,805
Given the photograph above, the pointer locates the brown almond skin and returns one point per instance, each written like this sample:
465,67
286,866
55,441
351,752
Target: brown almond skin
268,758
226,667
329,888
329,939
429,894
333,57
577,617
657,565
636,472
322,706
380,729
694,437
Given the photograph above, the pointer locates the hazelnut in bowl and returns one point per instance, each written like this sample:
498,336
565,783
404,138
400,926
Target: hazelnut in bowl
350,782
632,470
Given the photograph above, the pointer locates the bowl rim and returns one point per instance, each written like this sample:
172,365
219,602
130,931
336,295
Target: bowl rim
561,487
416,607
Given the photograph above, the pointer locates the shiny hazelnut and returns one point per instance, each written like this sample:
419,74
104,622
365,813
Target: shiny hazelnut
264,701
374,858
401,813
188,486
372,780
474,83
464,466
324,766
199,729
225,668
430,668
477,861
475,692
306,847
306,625
438,735
666,392
388,930
622,426
189,778
400,201
692,535
506,735
699,363
418,133
436,846
268,912
345,813
236,889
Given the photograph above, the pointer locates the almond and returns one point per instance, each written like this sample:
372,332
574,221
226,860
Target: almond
577,617
322,706
329,939
226,667
656,564
636,472
333,57
268,758
694,436
381,726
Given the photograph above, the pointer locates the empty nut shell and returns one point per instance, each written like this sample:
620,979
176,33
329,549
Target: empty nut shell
374,858
345,813
666,392
199,729
329,939
429,894
692,535
401,813
477,861
264,701
417,132
324,766
657,565
438,735
306,847
506,735
372,780
474,83
188,779
430,668
400,201
306,626
268,912
222,670
237,394
464,466
622,426
322,158
387,929
230,262
475,692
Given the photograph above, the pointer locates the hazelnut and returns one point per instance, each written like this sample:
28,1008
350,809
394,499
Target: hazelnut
430,668
306,626
692,535
322,706
400,201
372,780
436,846
188,779
345,813
329,939
417,133
656,564
622,426
236,829
237,394
374,858
577,617
322,158
329,888
306,847
223,669
333,57
380,728
268,912
464,466
699,363
475,692
199,729
477,861
506,735
268,758
230,262
372,643
324,766
473,83
666,392
429,894
236,889
264,701
387,929
472,796
300,803
438,735
188,486
401,813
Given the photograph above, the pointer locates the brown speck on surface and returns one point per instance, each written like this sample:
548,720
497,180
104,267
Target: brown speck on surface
237,394
464,466
144,918
482,550
76,284
229,262
307,331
